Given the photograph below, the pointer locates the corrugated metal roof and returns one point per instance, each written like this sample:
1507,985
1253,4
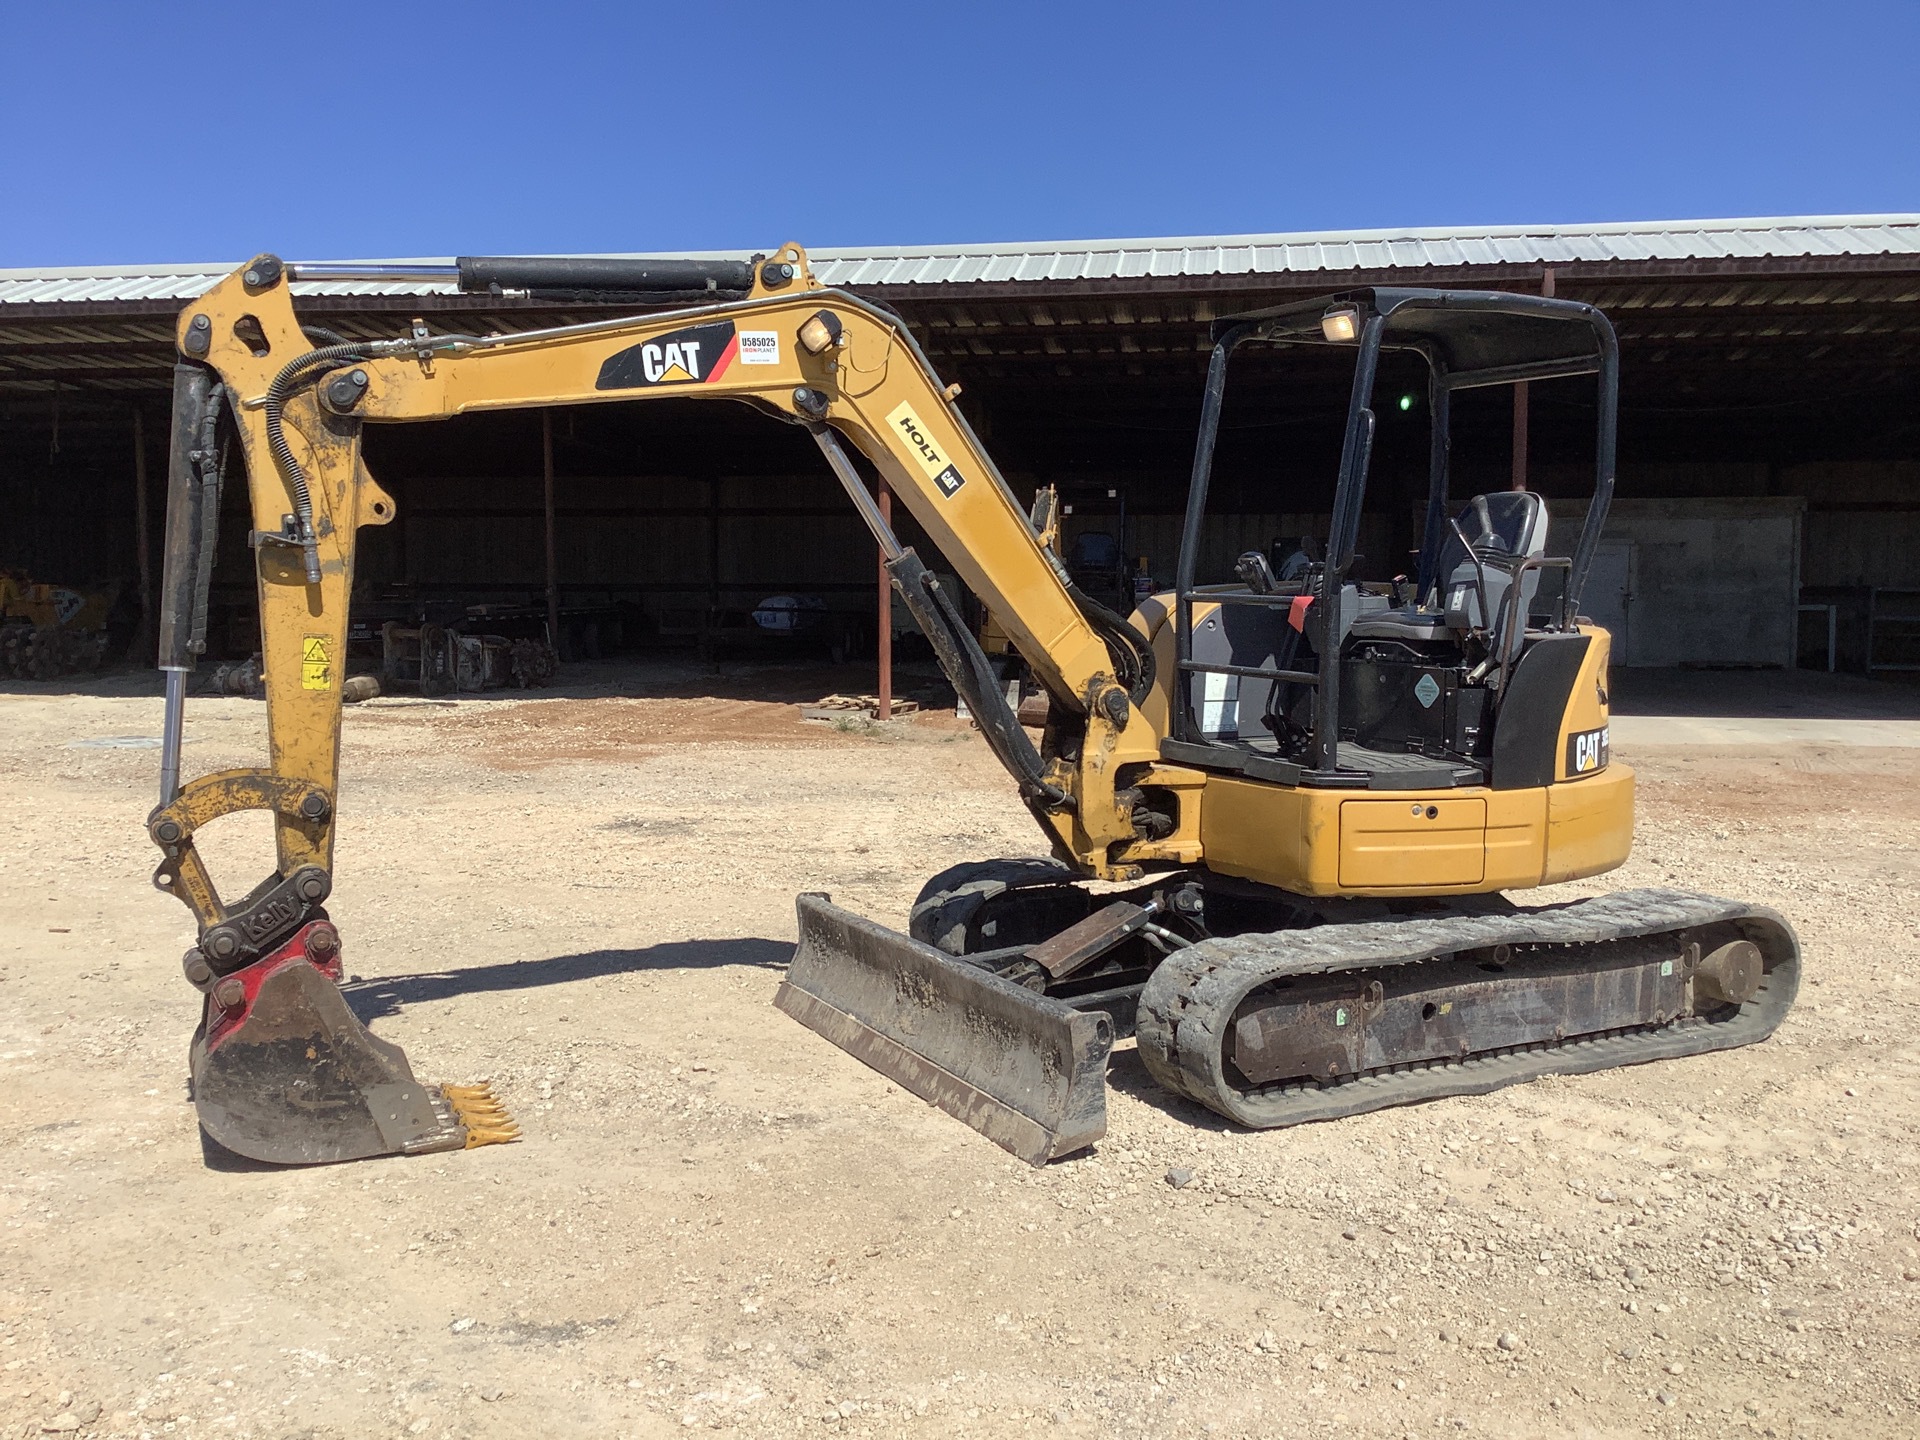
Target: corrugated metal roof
132,283
1304,253
1374,250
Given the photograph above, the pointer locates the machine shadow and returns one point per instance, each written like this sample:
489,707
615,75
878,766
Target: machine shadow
371,999
222,1161
1127,1074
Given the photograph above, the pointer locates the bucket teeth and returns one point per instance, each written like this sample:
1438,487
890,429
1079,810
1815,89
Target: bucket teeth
480,1112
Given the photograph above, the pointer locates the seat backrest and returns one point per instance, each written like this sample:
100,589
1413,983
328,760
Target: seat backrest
1507,524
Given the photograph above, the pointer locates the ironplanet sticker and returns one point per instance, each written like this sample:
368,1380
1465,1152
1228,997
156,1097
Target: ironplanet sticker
920,445
759,347
696,355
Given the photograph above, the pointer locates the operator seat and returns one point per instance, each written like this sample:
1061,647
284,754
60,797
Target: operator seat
1479,555
1498,530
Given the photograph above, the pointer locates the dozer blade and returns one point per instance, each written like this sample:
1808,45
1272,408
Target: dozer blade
1027,1072
285,1073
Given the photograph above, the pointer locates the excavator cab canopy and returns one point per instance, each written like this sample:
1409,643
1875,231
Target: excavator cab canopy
1469,339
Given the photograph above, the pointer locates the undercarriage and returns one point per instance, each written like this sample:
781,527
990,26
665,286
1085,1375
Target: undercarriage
1267,1008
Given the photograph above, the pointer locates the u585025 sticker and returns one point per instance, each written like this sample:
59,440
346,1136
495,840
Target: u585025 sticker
759,347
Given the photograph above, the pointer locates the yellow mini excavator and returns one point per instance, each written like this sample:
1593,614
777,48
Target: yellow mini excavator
1283,808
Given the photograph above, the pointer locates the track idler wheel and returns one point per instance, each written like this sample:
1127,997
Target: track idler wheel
284,1072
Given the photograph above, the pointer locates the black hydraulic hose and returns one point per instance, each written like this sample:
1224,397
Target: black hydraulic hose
1132,652
211,460
283,386
320,335
973,680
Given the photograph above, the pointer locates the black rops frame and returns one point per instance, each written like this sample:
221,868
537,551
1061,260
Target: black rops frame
1469,339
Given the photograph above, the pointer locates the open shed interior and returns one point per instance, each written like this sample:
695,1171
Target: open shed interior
1768,509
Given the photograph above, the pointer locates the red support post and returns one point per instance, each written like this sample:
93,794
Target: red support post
885,497
1520,407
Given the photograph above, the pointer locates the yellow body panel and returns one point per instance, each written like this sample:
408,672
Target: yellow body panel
79,610
1587,706
1384,842
1340,842
1347,842
1589,825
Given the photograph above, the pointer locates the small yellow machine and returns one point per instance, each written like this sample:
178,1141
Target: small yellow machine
1303,795
50,630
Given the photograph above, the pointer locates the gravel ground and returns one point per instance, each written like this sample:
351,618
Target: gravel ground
717,1221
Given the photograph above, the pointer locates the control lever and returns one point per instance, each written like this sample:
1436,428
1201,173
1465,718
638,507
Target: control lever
1479,572
1256,573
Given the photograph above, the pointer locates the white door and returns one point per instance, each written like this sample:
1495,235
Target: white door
1608,597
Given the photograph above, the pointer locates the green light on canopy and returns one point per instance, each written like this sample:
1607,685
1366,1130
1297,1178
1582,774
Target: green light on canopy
1406,402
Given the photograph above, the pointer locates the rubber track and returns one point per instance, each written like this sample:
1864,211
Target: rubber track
1190,1000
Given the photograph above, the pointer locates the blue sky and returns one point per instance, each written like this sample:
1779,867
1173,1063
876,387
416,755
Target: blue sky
147,132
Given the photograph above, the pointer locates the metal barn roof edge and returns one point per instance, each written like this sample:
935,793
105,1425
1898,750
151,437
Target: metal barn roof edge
1039,262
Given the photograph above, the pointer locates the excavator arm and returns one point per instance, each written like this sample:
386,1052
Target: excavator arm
299,401
823,359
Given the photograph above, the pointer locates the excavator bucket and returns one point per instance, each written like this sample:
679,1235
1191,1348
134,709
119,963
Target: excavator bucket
285,1073
1026,1071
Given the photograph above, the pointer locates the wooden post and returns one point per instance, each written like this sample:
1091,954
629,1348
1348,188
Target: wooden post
885,497
143,638
1520,407
553,578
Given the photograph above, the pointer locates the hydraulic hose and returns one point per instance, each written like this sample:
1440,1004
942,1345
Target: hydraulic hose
972,677
1133,659
298,371
283,386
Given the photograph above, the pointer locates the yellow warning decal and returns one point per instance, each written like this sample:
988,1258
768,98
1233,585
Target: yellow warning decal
316,663
919,444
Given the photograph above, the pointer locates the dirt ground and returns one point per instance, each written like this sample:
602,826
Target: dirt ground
718,1221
